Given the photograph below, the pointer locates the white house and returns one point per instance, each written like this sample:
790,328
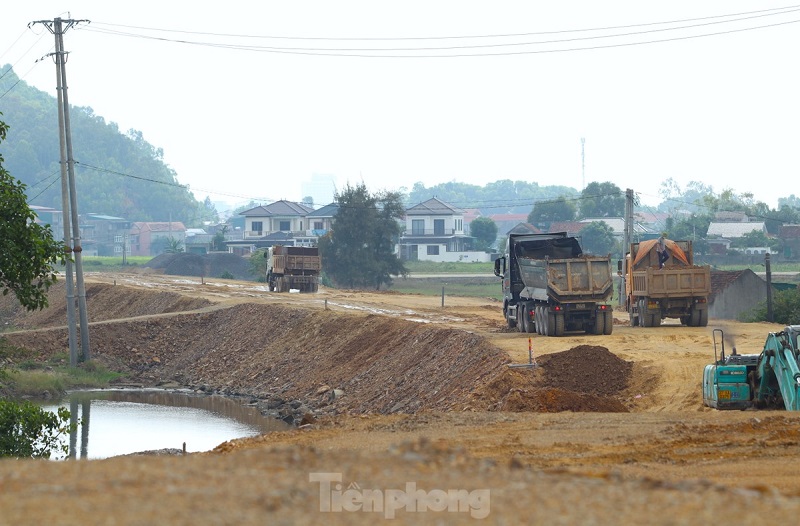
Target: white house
434,231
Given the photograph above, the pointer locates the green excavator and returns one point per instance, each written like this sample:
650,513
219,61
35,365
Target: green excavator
770,379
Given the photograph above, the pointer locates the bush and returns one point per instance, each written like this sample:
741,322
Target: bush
28,431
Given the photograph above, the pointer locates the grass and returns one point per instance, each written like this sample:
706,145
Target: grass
25,376
427,287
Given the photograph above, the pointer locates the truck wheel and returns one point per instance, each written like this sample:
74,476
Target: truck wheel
599,323
608,319
537,319
530,325
695,318
521,317
551,322
703,318
558,324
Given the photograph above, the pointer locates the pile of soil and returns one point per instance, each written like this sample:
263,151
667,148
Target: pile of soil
214,265
582,379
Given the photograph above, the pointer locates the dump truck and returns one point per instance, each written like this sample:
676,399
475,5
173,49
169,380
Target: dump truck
550,286
293,268
680,289
767,380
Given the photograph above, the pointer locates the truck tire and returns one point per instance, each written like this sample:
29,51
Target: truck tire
558,323
530,324
695,318
608,319
537,319
704,318
599,323
551,321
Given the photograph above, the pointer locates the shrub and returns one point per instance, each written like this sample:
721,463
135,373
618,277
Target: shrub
28,431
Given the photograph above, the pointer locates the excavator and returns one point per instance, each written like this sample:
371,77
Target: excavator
769,380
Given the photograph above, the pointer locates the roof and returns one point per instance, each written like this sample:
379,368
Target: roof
326,211
433,206
733,230
279,208
524,228
790,231
570,227
721,279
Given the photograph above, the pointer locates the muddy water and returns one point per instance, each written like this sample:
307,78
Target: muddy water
119,422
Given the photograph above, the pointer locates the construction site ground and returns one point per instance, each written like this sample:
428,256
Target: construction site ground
407,400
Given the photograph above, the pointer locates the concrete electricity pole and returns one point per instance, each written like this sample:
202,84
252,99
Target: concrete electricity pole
72,227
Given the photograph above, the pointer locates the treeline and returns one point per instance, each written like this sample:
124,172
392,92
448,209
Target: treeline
116,173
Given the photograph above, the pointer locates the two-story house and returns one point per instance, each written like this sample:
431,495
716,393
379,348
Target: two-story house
279,223
103,235
434,231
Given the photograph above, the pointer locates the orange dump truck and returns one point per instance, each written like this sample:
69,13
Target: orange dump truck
678,290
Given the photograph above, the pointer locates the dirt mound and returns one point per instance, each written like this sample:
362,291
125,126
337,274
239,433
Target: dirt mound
215,264
582,379
103,302
586,369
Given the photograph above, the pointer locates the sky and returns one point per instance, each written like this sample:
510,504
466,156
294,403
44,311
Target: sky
250,100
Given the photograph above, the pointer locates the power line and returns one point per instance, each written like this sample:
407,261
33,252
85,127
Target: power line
375,52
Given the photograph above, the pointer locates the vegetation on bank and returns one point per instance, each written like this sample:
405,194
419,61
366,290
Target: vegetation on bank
23,375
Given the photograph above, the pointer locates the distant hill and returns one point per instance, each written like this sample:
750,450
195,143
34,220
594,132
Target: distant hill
117,174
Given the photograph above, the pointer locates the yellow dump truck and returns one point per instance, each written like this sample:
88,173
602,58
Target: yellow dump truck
678,290
293,268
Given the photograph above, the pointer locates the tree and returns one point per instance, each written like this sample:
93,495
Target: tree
218,241
598,238
28,251
484,230
359,250
602,200
552,210
28,431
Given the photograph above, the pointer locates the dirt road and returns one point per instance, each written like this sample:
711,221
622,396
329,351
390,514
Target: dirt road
433,426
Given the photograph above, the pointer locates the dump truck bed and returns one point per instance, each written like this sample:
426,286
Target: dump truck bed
583,278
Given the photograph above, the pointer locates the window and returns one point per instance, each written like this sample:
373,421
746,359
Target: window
438,227
433,250
285,226
318,225
258,226
417,227
459,225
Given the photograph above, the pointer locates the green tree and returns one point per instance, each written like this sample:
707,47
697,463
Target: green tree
484,230
258,264
358,252
546,212
602,200
173,245
28,251
598,238
218,241
27,430
785,308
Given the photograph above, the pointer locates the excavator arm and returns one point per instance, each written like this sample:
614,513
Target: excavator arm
778,374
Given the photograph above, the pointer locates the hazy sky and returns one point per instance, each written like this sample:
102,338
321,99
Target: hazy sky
250,99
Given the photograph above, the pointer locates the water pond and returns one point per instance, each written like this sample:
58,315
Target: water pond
118,422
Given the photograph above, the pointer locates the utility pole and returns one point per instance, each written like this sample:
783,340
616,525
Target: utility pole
627,240
58,27
583,164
